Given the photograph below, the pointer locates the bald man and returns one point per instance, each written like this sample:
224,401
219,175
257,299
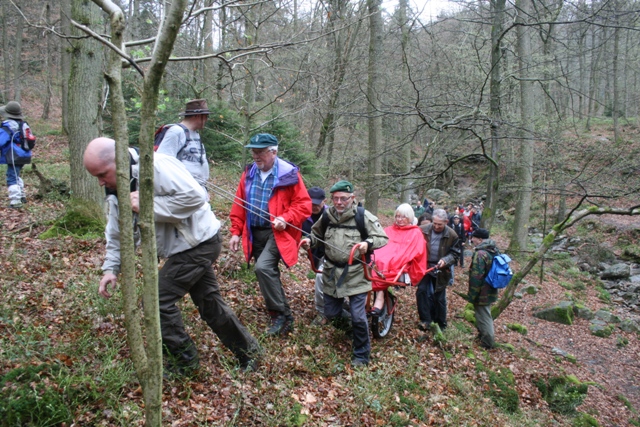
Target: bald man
187,235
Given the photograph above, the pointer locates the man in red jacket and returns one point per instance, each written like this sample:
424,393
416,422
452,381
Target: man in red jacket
271,204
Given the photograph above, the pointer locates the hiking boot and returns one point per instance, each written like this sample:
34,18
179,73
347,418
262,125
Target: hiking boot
359,363
424,326
319,320
15,204
280,324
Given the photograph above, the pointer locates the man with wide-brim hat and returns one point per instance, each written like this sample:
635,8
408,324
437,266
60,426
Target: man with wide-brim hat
16,143
13,110
183,141
270,205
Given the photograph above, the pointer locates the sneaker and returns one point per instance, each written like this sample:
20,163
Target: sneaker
15,204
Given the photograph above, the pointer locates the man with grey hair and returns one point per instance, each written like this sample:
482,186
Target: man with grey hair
271,204
442,252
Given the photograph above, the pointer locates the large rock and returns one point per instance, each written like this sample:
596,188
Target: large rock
617,271
629,325
607,316
560,313
600,329
437,195
583,312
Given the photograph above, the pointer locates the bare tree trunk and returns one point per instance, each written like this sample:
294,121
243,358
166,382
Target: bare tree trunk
615,104
524,173
48,57
17,61
65,63
374,119
489,212
84,97
4,13
146,350
222,46
207,35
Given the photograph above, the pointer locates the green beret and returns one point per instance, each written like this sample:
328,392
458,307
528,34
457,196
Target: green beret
343,186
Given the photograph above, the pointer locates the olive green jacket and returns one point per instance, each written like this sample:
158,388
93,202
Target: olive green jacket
339,242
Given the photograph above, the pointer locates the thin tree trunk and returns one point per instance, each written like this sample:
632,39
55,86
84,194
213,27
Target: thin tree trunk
4,14
374,119
48,57
489,212
65,63
524,173
17,61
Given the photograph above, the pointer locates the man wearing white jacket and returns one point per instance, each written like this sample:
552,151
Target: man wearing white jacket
187,235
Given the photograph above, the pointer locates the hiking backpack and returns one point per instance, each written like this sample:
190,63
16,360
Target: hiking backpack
500,273
21,142
359,217
162,130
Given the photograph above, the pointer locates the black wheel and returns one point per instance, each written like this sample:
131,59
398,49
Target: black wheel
381,325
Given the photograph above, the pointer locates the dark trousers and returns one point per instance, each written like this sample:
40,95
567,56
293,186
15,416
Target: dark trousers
267,256
432,305
191,272
361,341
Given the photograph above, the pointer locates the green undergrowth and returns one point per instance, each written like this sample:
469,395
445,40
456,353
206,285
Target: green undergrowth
562,393
80,219
501,387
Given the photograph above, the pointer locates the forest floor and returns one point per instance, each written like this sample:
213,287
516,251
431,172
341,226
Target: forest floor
51,316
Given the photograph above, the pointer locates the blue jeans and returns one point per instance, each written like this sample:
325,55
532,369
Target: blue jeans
13,174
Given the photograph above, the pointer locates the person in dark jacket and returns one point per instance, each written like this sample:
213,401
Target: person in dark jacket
442,252
459,229
481,294
318,199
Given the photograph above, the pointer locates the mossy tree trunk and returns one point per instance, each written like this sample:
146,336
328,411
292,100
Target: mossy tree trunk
507,295
147,358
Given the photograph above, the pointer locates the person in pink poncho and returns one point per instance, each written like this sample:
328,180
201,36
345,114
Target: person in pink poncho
406,250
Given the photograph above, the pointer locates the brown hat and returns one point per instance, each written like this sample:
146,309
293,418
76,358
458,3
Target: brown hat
12,110
195,107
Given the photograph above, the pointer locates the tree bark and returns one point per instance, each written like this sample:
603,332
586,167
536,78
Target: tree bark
84,100
65,63
374,119
495,84
48,69
524,172
17,61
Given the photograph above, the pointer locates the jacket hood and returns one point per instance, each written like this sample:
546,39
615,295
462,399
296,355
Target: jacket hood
487,245
287,173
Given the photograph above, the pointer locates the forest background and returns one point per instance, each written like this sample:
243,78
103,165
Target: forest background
534,103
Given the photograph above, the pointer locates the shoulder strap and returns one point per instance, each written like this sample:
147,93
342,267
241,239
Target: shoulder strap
362,228
188,138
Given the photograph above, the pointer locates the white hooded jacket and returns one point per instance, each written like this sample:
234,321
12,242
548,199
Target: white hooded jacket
183,218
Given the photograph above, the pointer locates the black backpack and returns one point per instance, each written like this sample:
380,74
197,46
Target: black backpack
162,130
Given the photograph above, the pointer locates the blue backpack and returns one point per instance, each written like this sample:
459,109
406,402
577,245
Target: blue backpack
500,273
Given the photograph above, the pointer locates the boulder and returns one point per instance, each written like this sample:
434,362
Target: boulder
583,312
617,271
560,313
600,329
606,316
629,325
437,195
530,290
635,278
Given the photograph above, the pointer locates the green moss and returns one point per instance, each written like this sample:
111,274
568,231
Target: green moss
571,358
81,219
501,390
584,420
562,393
469,316
518,328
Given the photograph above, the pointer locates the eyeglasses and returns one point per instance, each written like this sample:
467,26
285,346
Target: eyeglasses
260,151
341,199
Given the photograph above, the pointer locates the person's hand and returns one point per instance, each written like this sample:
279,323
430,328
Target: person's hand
363,247
135,201
279,223
234,243
440,265
107,279
305,244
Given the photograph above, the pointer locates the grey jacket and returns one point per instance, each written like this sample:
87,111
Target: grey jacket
183,218
449,251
